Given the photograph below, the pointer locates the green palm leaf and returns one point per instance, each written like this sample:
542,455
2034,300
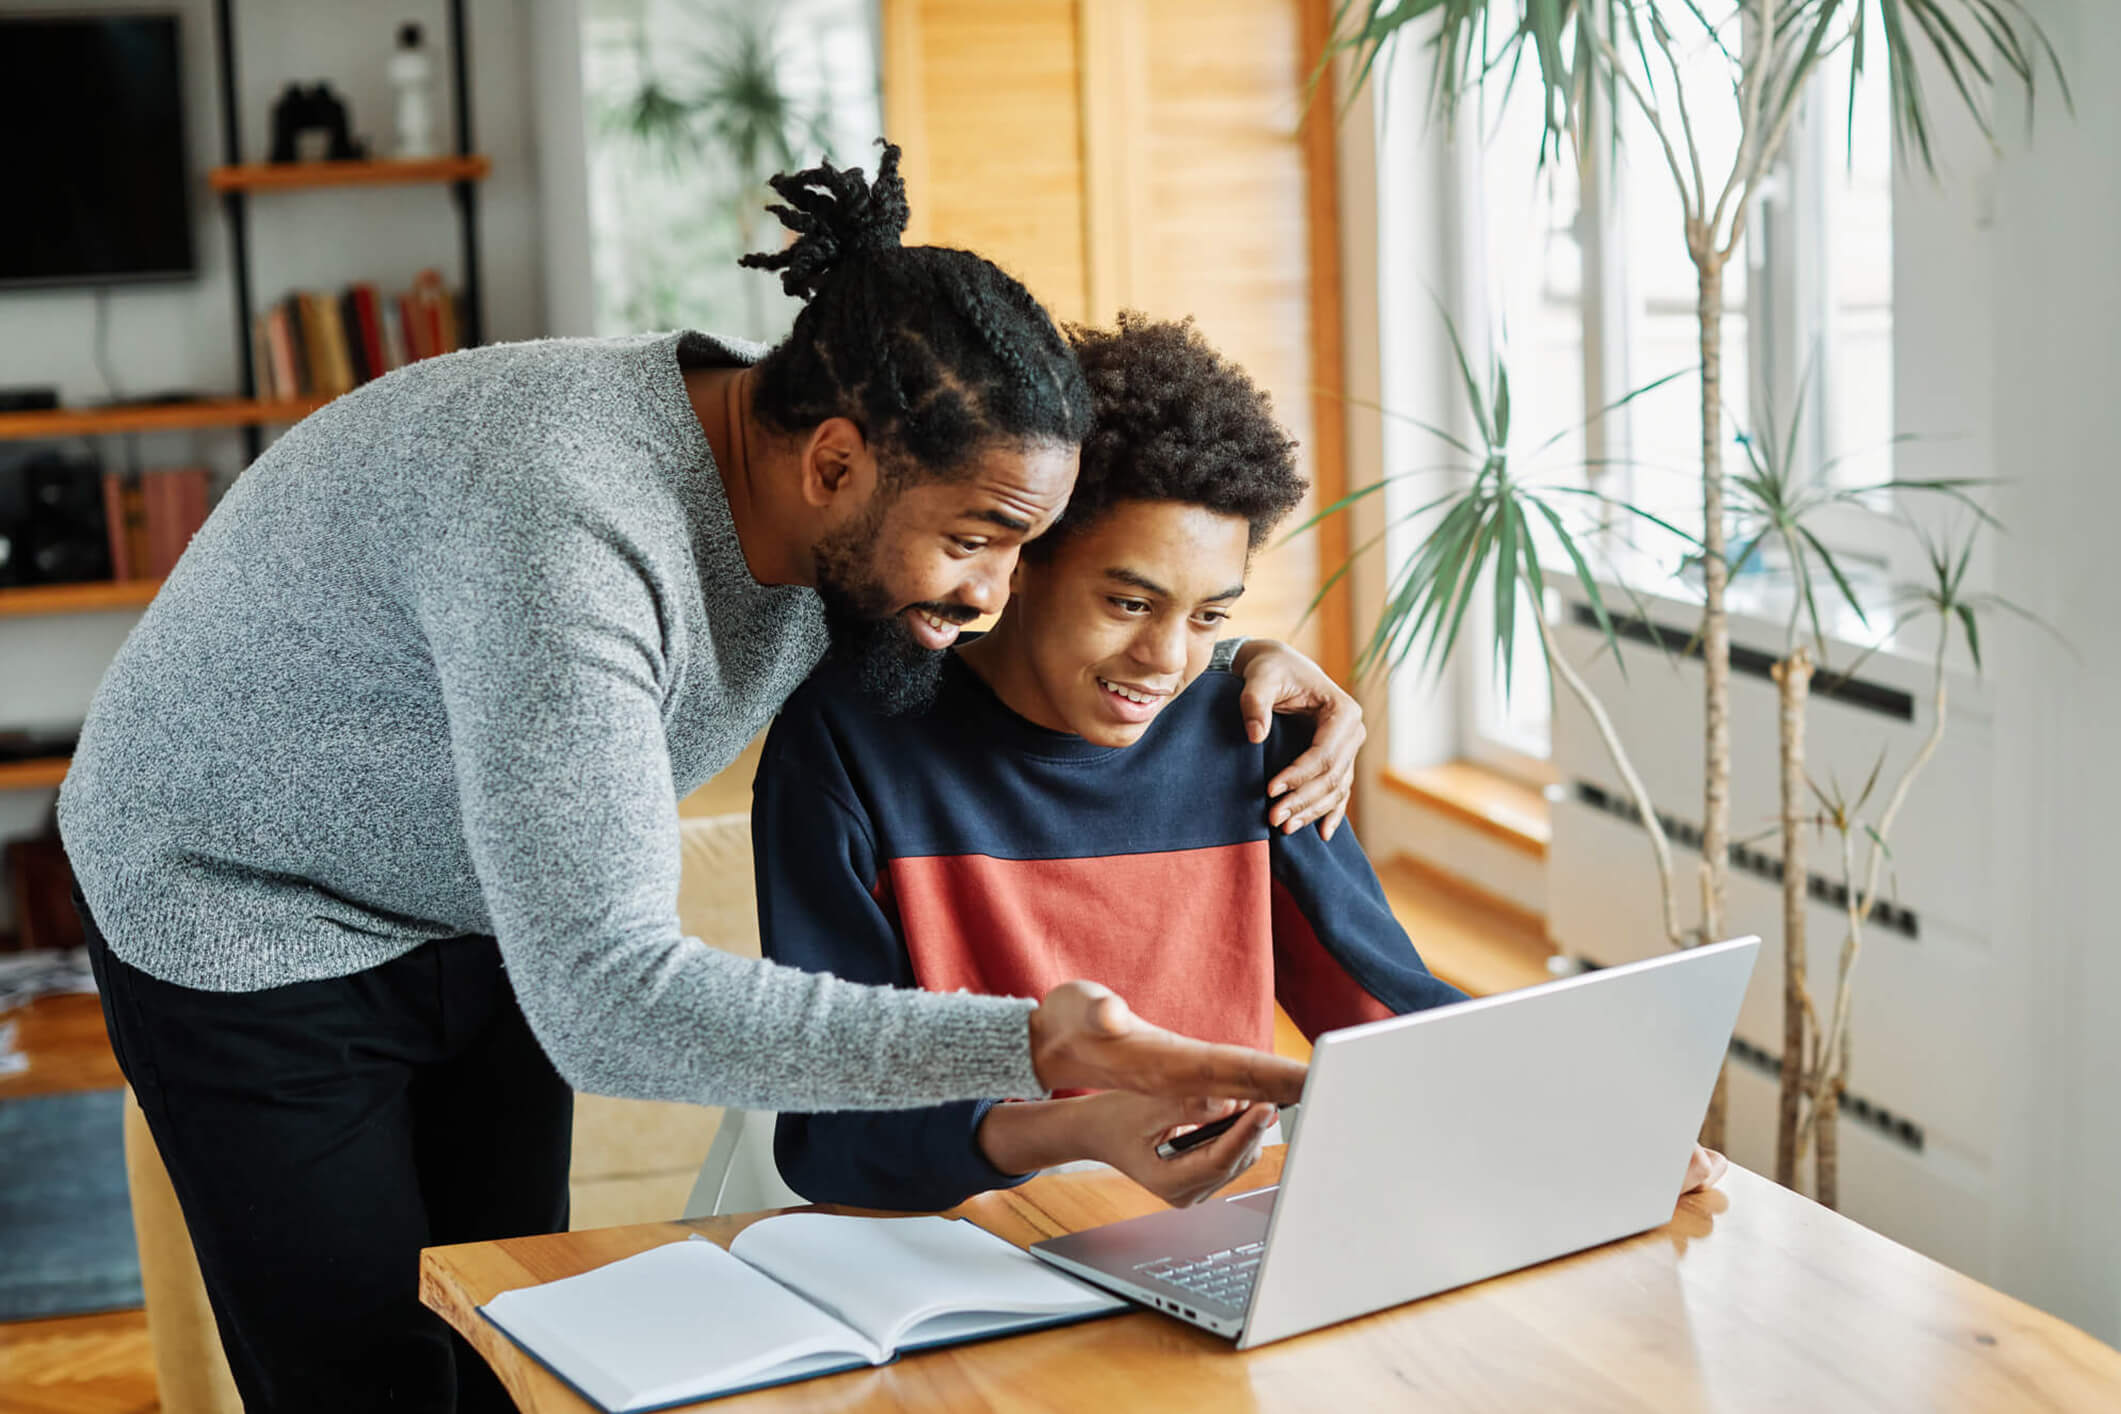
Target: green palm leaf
1506,585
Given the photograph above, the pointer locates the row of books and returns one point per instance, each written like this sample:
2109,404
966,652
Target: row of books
152,517
314,344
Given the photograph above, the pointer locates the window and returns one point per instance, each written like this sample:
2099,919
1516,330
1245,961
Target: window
672,201
1521,297
1591,294
1851,150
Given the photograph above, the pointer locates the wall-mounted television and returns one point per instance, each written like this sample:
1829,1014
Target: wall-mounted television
97,177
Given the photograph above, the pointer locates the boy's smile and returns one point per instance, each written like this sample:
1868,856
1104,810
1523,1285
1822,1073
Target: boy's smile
1122,616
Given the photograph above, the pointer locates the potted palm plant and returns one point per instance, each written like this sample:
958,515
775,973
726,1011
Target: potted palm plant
1605,55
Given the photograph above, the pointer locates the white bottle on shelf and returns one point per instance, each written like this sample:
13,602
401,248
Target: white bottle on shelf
411,72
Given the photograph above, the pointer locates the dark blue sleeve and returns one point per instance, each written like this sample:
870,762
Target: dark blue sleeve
1333,925
817,868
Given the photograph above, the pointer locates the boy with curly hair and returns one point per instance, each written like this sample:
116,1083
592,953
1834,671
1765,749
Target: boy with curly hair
1083,780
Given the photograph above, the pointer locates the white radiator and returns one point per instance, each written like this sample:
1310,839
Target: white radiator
1920,1131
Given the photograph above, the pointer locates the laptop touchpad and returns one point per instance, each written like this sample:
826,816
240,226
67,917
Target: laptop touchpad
1260,1202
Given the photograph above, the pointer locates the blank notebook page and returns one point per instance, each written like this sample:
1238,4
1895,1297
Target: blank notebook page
676,1321
884,1276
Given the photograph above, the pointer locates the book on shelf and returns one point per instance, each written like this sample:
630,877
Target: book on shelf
261,354
368,330
290,358
315,344
793,1297
152,517
317,361
350,333
175,503
125,520
336,347
394,348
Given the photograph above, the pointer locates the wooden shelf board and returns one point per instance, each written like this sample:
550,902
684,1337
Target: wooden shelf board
77,598
389,171
38,773
154,417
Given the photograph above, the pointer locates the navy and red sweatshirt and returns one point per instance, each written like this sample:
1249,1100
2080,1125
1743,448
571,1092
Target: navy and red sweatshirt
965,847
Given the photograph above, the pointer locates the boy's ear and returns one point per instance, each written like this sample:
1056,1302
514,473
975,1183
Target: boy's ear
838,468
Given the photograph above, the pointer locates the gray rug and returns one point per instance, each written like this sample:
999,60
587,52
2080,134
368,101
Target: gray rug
66,1227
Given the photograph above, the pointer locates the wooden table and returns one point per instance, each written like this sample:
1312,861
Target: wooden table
1750,1298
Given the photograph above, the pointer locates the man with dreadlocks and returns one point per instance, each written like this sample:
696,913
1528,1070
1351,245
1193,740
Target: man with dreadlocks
374,816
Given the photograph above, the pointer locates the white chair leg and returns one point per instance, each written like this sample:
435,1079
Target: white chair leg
739,1175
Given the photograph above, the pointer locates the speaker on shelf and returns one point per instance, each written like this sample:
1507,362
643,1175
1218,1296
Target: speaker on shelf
28,399
52,528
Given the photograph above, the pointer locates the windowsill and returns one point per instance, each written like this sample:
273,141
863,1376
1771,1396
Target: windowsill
1505,810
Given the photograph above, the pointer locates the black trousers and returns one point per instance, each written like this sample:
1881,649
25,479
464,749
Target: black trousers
318,1135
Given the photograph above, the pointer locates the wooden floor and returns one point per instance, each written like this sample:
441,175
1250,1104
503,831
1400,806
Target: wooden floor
75,1364
64,1040
78,1365
102,1364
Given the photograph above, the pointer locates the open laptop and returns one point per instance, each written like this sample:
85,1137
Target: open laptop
1450,1146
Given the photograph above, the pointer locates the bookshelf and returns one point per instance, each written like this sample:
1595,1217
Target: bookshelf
37,773
97,597
237,181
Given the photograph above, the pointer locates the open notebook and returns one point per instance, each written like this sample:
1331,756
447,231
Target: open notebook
795,1296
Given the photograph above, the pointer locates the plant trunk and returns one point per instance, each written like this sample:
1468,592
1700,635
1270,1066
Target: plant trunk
1715,625
1793,681
1826,1148
1715,643
1562,671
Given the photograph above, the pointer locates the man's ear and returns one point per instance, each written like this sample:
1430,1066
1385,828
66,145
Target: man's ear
838,468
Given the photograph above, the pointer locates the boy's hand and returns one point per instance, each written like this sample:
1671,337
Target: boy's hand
1703,1170
1084,1037
1316,785
1123,1130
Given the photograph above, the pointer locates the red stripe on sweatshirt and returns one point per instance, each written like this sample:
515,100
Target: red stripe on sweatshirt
1185,935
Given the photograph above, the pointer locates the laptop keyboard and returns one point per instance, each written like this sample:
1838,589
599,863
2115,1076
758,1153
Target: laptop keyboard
1224,1277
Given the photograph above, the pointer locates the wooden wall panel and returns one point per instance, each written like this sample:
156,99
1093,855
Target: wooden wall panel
985,96
1227,229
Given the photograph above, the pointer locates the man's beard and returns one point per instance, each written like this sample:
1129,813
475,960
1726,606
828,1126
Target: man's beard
866,629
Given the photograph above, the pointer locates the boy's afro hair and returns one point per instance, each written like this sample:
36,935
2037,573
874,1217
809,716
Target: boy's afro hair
1173,420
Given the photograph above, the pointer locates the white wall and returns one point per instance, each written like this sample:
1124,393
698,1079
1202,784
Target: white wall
2057,437
183,336
563,167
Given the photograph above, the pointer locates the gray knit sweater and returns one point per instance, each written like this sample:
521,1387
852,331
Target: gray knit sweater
442,662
